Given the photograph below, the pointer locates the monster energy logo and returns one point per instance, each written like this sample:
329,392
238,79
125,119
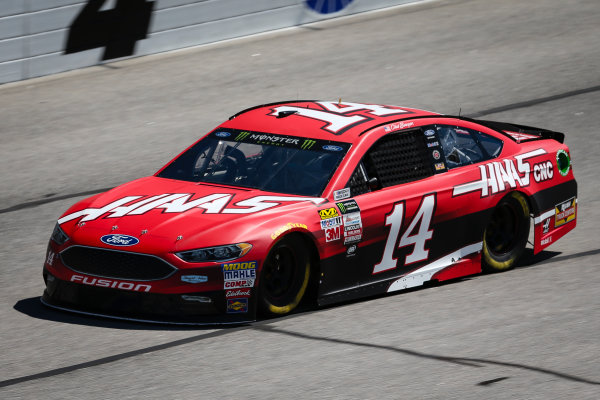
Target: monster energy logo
307,144
242,136
342,207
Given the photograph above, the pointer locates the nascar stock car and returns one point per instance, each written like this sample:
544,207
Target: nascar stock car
311,201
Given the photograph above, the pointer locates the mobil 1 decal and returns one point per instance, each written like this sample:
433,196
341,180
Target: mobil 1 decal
338,117
409,245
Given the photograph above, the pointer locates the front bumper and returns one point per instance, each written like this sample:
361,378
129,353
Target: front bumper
178,308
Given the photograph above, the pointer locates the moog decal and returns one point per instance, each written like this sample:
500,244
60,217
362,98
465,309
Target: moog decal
177,203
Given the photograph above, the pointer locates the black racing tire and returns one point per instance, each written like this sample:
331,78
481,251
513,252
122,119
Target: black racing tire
284,277
506,234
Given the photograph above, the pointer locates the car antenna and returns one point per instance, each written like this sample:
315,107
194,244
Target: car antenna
459,111
340,102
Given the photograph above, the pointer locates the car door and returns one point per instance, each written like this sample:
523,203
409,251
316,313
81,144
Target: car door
410,218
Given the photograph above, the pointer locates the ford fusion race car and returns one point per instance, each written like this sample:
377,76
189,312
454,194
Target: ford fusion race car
311,200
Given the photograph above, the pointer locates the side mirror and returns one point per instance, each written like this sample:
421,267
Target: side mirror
374,183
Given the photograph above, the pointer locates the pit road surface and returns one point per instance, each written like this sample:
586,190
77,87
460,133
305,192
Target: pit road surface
528,333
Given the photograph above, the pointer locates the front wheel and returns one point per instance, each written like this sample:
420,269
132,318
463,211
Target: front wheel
506,234
284,277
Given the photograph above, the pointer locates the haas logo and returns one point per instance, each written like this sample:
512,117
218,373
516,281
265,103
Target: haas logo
546,225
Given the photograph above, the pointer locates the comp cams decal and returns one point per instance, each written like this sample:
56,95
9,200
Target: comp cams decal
497,176
181,202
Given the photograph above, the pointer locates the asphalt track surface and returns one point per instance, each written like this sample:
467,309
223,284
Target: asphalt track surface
528,333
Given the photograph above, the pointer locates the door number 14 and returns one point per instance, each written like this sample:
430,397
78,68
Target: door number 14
424,232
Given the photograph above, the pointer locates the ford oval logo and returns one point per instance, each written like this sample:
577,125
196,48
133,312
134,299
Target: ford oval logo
223,134
119,240
331,147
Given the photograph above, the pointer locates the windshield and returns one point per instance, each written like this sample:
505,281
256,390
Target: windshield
275,163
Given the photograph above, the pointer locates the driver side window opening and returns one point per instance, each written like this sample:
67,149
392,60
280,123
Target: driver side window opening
394,159
463,146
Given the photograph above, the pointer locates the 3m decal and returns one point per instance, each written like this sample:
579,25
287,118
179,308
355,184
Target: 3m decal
328,213
341,194
110,283
543,171
347,207
287,227
332,234
235,306
181,202
334,114
421,222
564,212
497,176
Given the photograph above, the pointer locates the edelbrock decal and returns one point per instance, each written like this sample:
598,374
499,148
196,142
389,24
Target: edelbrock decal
119,240
181,202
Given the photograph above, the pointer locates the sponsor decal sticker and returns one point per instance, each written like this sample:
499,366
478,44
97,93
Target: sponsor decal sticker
328,213
238,293
341,194
498,176
332,234
436,154
194,278
307,144
433,144
564,212
351,250
546,241
563,162
331,222
349,206
521,136
239,274
352,239
119,240
244,283
242,136
429,133
352,219
285,228
440,166
235,306
331,147
223,134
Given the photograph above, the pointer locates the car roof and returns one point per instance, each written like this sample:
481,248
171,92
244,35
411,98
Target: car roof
328,120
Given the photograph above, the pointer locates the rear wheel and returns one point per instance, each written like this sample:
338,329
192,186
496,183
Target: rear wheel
506,234
284,277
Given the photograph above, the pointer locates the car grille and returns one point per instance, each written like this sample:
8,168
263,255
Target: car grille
116,264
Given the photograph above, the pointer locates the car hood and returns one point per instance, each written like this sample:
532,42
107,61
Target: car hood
173,215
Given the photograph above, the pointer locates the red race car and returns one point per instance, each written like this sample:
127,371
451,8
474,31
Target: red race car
311,200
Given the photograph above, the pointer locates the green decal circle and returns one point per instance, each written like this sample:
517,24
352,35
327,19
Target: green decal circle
563,162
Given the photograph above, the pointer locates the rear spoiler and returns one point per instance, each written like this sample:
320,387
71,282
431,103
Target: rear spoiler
522,133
